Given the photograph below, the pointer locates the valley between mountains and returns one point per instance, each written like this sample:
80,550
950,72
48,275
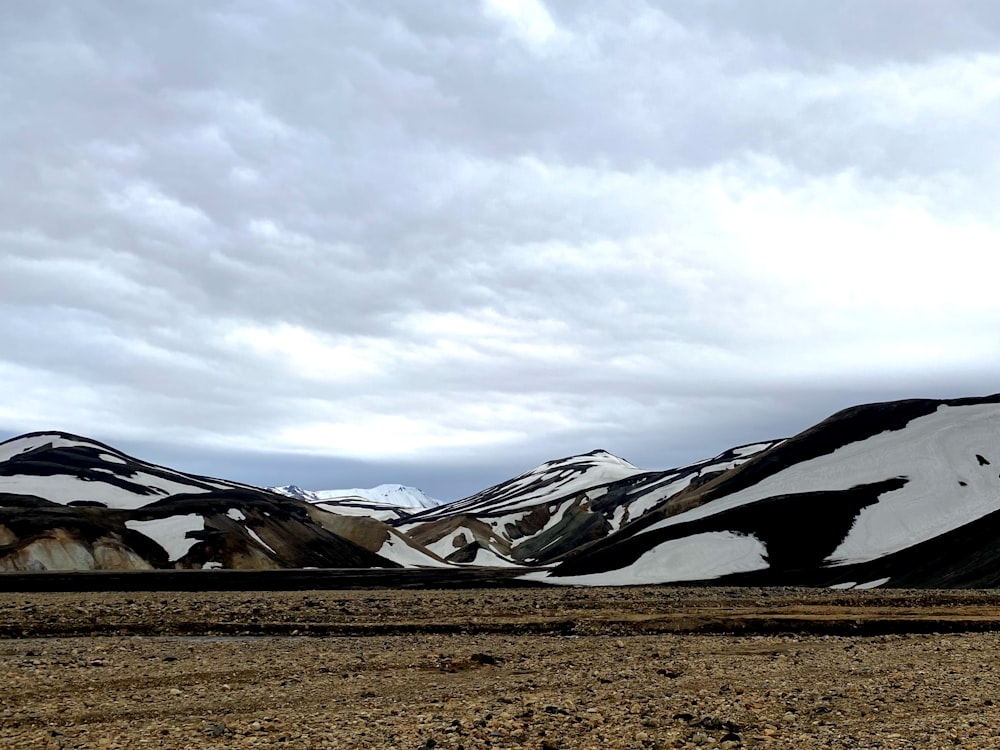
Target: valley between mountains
899,494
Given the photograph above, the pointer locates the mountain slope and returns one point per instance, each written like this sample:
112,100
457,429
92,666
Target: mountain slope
869,483
903,493
70,503
65,468
552,509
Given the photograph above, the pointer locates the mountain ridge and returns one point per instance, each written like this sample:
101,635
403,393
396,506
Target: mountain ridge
398,495
863,498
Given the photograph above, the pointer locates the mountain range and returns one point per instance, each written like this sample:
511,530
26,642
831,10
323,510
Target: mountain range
385,502
903,493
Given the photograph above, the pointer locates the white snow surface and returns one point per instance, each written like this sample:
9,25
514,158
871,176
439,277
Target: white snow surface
489,559
549,482
589,476
749,450
872,584
651,499
236,514
63,488
369,511
694,558
446,544
566,483
396,549
671,484
24,444
388,494
855,585
934,452
261,542
170,532
393,494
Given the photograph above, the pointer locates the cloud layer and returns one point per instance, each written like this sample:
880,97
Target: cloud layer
459,233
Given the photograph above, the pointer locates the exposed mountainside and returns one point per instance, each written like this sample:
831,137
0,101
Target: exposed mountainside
847,502
904,493
67,469
67,502
552,509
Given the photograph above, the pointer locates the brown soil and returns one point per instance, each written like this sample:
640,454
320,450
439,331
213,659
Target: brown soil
506,668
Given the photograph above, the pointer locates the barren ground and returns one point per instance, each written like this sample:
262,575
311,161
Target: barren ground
501,668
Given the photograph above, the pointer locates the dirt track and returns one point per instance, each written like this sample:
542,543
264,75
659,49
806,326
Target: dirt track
534,668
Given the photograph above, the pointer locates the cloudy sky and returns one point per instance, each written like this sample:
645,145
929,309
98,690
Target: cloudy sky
437,243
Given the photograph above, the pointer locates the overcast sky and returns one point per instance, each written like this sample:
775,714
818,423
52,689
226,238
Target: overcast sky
438,243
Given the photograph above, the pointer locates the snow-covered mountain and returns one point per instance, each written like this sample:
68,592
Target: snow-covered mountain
901,493
68,469
905,493
396,495
68,502
549,511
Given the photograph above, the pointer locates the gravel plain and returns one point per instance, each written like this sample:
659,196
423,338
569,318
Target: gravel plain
501,668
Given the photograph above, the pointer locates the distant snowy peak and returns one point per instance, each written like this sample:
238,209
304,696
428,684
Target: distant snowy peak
393,494
384,494
293,490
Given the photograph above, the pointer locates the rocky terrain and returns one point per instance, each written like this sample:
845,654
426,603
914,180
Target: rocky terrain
533,668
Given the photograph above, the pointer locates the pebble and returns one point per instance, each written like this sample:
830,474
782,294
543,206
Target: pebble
500,689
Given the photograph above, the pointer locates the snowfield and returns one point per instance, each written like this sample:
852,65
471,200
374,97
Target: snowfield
694,558
396,495
64,489
171,533
935,453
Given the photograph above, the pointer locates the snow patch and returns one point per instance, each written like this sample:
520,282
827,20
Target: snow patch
388,494
550,482
698,557
446,544
397,550
932,451
376,512
261,542
171,533
489,559
872,584
749,450
654,497
63,489
21,445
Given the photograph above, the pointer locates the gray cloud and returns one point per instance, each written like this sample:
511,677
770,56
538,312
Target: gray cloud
478,236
